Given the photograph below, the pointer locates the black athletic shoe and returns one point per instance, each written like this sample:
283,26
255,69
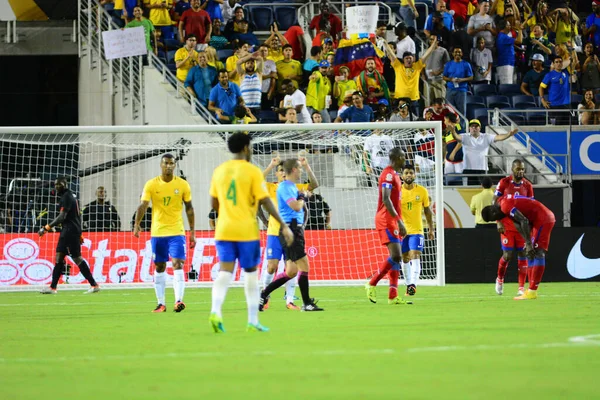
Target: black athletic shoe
263,302
312,306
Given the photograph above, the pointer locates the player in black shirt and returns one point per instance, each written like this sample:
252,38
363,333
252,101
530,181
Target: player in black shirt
70,238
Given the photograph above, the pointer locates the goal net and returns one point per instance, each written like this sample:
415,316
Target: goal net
107,168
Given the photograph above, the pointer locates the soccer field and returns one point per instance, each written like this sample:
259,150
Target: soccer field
455,342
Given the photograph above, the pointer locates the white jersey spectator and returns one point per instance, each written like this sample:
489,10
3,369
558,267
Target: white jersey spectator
377,148
482,60
294,100
482,24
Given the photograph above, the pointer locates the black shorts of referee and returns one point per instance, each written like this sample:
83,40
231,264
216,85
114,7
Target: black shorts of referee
296,251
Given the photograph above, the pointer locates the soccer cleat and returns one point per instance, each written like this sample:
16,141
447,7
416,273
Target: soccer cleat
499,286
312,307
48,290
520,291
179,306
411,290
528,295
256,328
216,323
371,292
160,308
93,289
292,306
399,300
263,302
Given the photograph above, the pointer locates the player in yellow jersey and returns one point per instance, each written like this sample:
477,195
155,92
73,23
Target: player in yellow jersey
274,248
237,189
415,201
168,193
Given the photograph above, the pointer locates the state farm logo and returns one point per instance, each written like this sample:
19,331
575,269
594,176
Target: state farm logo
21,263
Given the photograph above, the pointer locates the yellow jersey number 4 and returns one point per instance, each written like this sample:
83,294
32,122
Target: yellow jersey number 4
232,193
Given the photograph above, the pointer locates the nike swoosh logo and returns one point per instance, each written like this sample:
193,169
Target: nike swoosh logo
581,267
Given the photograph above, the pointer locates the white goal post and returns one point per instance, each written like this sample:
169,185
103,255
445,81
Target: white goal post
122,158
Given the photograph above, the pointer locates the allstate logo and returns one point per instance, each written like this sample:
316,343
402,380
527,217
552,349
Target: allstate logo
312,251
21,262
10,273
21,250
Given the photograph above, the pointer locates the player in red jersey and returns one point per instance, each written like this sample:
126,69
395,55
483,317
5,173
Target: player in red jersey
534,222
510,240
389,225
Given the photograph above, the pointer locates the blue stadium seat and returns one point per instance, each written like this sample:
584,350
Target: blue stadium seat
162,56
171,56
285,16
261,16
509,89
476,100
483,89
223,54
333,114
522,98
536,118
518,119
471,107
526,105
576,99
171,44
268,117
498,101
480,113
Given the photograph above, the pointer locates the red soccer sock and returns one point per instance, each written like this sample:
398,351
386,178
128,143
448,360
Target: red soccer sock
385,267
502,264
535,276
394,274
522,263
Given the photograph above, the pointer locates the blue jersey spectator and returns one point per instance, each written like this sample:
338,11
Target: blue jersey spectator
592,25
200,79
213,9
224,97
359,112
505,44
558,84
287,191
457,73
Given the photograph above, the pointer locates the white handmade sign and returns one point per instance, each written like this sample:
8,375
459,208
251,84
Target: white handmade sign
362,19
124,43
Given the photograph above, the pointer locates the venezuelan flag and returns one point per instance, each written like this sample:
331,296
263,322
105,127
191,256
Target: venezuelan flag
353,53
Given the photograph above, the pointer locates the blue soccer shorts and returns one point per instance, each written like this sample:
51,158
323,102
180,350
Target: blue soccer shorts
165,246
247,253
412,242
274,248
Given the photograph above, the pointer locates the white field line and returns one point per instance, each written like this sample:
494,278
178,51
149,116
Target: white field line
577,341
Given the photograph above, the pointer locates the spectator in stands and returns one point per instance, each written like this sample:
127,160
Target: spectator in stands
224,97
227,9
249,68
376,153
587,107
402,112
100,215
590,71
439,30
294,35
343,85
323,34
269,79
505,46
453,153
482,25
160,17
243,35
240,49
480,200
405,43
540,17
347,102
446,17
294,98
380,33
288,68
559,94
537,43
335,23
213,8
275,41
460,8
424,156
217,39
476,146
212,59
457,73
358,112
195,21
242,116
372,83
115,11
186,57
407,75
565,26
233,25
591,28
291,116
139,20
178,9
570,59
200,80
532,79
509,11
461,39
409,13
434,67
439,109
482,60
313,61
319,212
318,93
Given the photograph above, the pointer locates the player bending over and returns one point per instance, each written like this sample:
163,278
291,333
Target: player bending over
389,225
291,207
415,201
534,222
510,239
274,248
237,189
70,239
168,193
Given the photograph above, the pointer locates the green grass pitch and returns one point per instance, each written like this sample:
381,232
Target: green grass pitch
455,342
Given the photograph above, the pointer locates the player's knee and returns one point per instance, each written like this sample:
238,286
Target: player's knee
253,269
160,267
507,255
540,253
414,255
397,258
178,263
405,258
272,266
77,260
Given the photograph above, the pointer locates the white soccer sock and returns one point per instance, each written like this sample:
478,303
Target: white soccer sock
267,278
252,296
290,290
406,272
178,284
160,280
415,270
219,291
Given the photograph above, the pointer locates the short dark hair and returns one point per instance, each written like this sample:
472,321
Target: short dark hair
289,165
189,36
239,112
487,214
486,182
518,161
501,24
409,167
285,46
406,54
237,142
62,179
315,50
459,22
438,100
381,23
223,71
168,155
451,117
286,82
237,44
396,153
